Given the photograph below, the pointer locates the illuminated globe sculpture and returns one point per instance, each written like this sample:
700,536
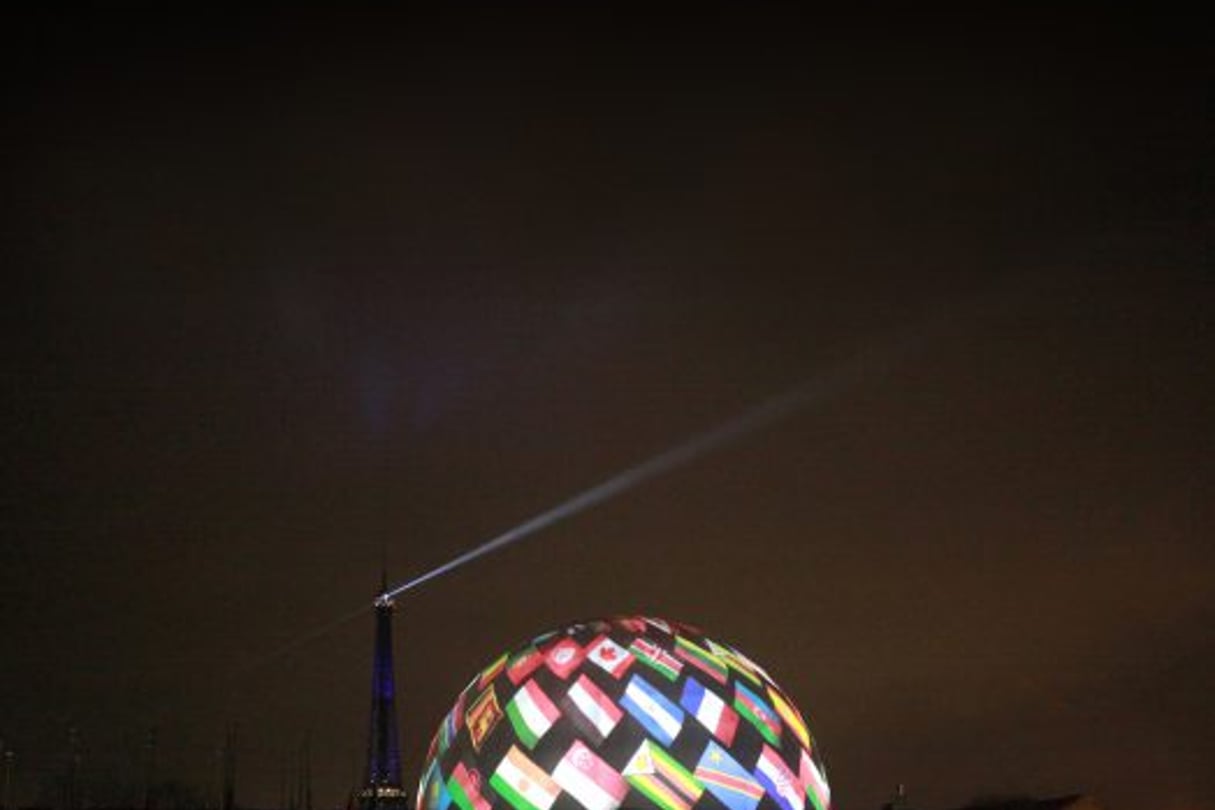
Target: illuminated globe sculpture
623,713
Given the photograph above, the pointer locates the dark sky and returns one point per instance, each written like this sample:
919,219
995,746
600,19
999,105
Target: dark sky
283,291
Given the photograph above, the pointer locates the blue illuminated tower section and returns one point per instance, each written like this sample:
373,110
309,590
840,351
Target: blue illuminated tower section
382,786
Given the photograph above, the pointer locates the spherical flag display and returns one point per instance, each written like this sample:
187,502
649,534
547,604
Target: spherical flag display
623,713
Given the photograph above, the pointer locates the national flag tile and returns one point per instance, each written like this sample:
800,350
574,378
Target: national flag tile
751,666
590,780
563,657
733,662
659,624
522,784
659,777
609,656
702,659
531,713
815,783
710,710
444,736
662,718
523,665
759,713
655,657
492,671
451,724
685,629
791,716
464,784
433,750
631,623
727,780
589,709
483,717
434,794
457,711
780,782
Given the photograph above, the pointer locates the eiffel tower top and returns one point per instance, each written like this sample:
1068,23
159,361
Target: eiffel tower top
382,787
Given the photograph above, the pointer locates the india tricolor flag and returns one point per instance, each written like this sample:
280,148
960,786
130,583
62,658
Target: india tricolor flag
521,782
589,779
816,784
780,782
531,713
591,710
659,777
710,710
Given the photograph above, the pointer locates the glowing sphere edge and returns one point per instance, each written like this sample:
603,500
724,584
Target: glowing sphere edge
632,712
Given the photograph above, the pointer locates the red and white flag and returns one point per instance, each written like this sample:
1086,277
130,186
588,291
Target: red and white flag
610,656
592,709
564,657
589,779
816,784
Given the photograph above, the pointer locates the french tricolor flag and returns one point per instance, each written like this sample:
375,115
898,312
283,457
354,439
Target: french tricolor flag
710,710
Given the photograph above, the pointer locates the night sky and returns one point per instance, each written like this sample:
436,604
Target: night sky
286,294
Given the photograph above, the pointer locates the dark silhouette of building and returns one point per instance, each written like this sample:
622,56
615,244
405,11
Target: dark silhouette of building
382,788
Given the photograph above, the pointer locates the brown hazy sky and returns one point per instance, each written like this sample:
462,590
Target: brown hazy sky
283,291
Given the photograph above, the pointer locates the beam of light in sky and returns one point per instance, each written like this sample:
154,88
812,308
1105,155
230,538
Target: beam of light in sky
772,410
762,415
865,365
299,641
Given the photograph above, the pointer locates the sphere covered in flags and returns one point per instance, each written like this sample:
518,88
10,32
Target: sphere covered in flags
631,712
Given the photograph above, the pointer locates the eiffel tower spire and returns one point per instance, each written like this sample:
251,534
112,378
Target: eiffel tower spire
382,787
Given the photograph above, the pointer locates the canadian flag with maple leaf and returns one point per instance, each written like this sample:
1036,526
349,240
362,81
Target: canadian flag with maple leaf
610,656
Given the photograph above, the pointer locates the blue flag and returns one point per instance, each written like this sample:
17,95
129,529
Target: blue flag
728,781
652,709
